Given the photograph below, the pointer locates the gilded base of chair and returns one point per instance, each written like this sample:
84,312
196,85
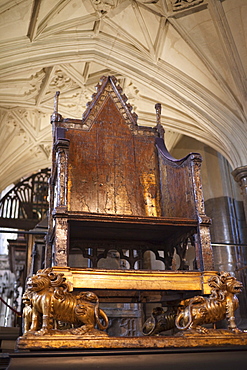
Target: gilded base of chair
182,340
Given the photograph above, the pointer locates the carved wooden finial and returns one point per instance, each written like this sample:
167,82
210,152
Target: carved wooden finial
158,113
159,126
56,102
56,116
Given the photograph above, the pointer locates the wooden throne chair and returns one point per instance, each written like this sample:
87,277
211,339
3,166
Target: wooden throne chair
122,208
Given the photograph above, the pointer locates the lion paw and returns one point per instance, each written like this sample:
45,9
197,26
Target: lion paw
29,332
82,329
201,329
236,330
42,331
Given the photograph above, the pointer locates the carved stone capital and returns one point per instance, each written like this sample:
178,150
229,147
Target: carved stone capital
240,176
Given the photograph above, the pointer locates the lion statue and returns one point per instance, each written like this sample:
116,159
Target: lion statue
221,304
48,301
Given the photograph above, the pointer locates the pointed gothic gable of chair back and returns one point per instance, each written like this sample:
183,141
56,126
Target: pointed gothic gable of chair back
113,164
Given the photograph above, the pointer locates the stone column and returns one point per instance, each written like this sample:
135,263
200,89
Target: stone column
240,176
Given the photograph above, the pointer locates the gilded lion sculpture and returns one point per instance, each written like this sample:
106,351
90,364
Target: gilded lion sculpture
47,301
220,305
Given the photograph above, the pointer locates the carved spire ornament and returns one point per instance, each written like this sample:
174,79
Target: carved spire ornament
56,116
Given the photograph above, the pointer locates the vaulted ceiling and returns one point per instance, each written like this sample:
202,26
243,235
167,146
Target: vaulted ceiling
189,55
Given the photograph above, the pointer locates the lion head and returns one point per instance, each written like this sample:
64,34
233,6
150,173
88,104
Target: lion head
45,279
222,284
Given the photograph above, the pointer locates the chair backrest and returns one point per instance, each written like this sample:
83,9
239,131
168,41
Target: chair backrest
114,165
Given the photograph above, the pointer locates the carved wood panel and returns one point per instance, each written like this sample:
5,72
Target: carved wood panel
111,169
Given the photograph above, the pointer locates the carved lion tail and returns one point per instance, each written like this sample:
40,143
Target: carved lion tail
188,307
178,319
149,326
99,313
181,316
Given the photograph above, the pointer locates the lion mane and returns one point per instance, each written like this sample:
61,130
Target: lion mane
47,300
220,305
